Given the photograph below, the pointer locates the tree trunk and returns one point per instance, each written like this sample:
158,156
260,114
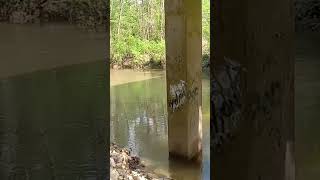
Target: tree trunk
120,16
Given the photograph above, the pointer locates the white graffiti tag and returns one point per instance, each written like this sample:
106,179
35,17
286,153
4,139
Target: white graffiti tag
178,95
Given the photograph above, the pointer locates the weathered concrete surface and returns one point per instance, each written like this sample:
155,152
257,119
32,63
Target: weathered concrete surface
258,36
183,68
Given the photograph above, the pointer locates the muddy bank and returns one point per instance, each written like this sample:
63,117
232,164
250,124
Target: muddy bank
125,166
152,65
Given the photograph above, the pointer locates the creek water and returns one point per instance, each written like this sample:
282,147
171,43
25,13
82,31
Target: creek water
53,103
139,122
307,106
139,108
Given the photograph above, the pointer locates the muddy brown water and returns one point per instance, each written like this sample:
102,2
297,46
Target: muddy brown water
139,122
53,115
28,48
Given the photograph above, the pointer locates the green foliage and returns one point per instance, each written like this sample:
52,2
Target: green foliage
137,26
206,27
137,32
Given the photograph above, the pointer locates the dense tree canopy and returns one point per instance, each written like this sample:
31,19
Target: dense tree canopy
137,32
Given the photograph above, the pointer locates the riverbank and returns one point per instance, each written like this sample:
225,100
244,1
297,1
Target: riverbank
125,166
152,65
90,14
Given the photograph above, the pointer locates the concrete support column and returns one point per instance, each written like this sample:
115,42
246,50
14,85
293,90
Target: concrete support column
252,90
183,71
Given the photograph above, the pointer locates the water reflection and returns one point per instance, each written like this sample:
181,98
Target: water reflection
53,124
307,104
28,48
52,121
139,122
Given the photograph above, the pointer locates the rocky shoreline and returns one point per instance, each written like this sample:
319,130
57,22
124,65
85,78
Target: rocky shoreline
124,166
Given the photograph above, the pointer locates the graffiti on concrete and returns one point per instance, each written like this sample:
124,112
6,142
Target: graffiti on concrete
226,106
225,101
177,95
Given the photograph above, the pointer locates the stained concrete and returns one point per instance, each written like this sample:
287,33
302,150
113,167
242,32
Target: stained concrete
259,36
183,70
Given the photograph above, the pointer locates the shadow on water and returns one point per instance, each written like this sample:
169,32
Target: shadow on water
307,105
139,122
31,47
53,122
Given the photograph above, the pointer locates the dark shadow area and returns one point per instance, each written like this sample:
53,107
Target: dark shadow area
252,90
54,90
53,124
266,144
307,105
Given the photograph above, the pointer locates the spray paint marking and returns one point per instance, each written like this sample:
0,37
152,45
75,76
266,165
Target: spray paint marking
225,101
178,95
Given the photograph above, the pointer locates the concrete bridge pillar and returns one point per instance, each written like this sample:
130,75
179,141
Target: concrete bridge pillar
252,84
183,72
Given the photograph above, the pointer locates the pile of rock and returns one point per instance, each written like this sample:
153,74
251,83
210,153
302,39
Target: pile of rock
125,166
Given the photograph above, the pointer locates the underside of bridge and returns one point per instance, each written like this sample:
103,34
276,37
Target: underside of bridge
252,86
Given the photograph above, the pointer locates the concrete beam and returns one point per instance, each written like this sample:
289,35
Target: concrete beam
183,72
